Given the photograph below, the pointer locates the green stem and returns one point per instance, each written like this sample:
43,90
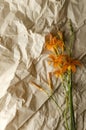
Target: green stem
66,109
65,113
72,118
56,103
72,37
51,96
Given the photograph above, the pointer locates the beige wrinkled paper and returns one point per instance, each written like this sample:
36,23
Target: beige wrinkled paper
23,26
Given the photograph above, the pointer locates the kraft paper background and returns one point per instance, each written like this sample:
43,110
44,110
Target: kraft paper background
23,26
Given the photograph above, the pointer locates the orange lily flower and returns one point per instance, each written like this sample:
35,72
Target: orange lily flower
57,60
58,73
63,63
71,64
60,44
52,42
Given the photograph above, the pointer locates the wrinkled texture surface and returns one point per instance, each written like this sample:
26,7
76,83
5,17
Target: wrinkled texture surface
23,26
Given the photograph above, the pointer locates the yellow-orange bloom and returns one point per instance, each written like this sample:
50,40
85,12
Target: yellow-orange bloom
58,73
70,64
57,60
63,63
60,44
52,42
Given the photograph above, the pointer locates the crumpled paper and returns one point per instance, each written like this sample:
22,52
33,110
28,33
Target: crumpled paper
23,26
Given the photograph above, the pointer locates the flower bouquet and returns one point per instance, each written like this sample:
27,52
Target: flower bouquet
64,65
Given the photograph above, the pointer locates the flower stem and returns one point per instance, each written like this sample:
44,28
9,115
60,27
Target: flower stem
72,118
66,109
56,103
